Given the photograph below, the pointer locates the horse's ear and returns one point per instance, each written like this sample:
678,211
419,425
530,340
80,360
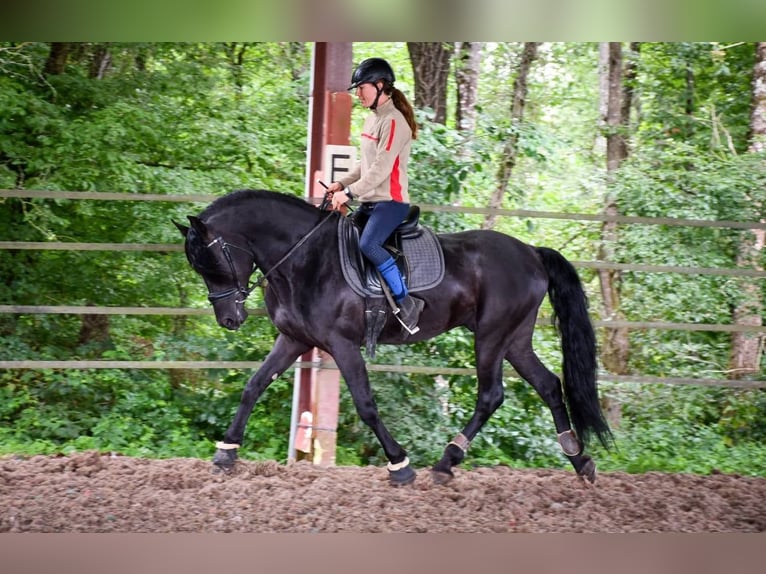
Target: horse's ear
182,228
197,225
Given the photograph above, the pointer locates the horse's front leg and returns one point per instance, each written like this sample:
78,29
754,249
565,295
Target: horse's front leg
284,353
352,367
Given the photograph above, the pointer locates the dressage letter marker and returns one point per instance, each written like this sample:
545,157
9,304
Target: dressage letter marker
339,160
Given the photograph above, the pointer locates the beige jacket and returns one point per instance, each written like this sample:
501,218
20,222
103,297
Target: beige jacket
381,175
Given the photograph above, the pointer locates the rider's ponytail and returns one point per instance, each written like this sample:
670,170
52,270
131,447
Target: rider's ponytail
403,105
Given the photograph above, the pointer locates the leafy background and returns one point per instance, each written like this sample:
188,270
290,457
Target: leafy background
175,119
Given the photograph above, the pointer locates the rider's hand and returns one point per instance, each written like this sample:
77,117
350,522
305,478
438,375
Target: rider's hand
338,199
334,186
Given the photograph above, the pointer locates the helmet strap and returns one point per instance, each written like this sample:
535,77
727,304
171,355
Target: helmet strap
377,97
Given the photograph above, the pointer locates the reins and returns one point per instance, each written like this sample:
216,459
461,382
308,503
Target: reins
261,281
292,250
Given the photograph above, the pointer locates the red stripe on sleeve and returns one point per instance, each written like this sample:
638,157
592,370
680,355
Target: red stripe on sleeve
391,136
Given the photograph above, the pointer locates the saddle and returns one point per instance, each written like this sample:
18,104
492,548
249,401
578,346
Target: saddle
416,251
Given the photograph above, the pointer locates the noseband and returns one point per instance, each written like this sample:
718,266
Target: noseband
240,289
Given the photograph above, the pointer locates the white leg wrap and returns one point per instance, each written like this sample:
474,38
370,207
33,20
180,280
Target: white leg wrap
398,465
226,446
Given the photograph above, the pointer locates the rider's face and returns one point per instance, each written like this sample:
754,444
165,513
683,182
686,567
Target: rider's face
366,94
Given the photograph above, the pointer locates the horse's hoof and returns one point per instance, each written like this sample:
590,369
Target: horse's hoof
588,470
401,477
440,477
224,460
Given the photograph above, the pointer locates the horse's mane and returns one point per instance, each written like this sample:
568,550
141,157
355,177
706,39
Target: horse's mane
202,258
240,196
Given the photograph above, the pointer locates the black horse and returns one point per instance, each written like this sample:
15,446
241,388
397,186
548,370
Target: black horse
493,284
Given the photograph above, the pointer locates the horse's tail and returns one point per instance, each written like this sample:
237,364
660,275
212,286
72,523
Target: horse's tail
578,344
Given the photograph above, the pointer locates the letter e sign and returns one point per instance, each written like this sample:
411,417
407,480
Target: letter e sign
338,161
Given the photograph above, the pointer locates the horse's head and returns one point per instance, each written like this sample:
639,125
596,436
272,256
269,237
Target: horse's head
225,267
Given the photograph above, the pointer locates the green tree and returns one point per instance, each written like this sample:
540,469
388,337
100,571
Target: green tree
206,118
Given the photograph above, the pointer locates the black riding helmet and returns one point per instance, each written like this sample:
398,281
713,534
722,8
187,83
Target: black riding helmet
370,71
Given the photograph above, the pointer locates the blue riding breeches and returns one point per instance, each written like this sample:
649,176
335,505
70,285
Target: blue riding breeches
385,216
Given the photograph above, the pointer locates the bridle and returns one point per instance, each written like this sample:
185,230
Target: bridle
215,296
241,290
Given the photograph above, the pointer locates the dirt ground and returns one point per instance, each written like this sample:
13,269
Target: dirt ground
94,493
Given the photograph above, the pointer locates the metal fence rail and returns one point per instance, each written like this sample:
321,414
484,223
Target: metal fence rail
200,198
260,311
178,248
407,369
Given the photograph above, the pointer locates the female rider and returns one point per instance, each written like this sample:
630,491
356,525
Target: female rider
379,181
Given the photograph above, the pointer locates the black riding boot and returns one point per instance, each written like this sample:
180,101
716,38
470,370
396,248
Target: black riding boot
409,313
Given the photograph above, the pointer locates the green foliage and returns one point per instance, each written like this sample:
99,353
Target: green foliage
670,446
438,173
692,92
696,429
167,118
128,412
679,180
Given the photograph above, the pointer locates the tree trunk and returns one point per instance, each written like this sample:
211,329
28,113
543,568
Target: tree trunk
615,119
508,159
628,84
431,68
101,61
235,54
57,57
746,348
295,63
467,79
93,329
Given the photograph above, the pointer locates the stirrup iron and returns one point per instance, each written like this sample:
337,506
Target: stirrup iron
415,307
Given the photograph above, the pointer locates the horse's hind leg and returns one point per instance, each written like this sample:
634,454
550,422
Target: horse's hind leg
489,369
548,386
